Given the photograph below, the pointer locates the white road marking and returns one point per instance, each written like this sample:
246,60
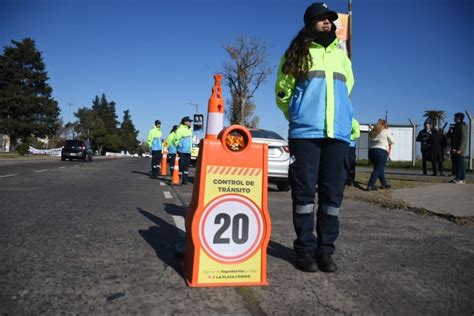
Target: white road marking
167,195
61,167
42,170
162,183
8,175
179,221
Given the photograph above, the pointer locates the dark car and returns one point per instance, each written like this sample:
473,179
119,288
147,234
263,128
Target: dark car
77,149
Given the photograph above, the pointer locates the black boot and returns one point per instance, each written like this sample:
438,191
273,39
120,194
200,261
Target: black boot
305,262
325,263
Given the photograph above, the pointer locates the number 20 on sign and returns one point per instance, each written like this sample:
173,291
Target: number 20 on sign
227,223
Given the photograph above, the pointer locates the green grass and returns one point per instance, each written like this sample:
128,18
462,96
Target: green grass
16,156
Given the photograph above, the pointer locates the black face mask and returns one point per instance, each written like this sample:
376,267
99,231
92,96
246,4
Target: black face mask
325,38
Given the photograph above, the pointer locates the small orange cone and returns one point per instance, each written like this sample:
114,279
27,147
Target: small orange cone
164,162
175,177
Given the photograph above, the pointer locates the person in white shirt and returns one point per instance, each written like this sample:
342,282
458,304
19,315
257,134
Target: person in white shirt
381,142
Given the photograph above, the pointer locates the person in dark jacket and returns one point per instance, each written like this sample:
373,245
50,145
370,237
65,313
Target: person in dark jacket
458,148
424,137
437,143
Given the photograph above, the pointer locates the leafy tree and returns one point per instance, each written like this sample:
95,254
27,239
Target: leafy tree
128,134
26,106
435,117
245,73
91,127
106,112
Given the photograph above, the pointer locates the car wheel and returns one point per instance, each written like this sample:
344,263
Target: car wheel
283,186
70,159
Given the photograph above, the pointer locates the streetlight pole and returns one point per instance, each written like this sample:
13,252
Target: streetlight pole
190,103
70,118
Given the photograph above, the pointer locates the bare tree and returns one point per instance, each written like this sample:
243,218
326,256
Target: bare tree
244,74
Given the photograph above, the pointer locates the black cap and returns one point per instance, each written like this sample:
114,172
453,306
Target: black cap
157,122
186,119
318,8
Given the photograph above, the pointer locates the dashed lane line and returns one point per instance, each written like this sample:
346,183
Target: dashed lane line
179,221
8,175
42,170
61,167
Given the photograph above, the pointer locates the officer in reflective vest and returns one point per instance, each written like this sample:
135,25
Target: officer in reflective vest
154,142
183,143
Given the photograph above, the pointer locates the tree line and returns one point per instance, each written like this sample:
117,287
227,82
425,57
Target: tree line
28,111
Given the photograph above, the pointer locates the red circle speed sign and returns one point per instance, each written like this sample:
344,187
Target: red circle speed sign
231,228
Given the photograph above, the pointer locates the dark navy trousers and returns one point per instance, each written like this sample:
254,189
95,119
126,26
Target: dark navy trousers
317,162
378,157
156,157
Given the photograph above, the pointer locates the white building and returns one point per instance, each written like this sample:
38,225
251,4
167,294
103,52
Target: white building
402,150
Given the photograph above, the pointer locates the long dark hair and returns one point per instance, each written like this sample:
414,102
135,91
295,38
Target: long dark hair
381,124
297,57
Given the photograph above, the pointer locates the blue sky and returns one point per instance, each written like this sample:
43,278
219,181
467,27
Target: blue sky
152,56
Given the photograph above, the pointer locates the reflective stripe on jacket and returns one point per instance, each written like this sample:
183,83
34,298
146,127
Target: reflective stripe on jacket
318,105
182,139
154,139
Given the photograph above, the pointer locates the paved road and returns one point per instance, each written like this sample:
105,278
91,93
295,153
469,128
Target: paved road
94,238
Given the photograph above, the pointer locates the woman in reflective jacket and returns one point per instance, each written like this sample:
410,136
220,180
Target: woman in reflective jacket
312,89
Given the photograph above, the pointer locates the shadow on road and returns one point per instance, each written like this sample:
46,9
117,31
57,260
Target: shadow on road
174,209
141,172
162,239
279,251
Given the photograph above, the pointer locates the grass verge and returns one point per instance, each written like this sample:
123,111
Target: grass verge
384,198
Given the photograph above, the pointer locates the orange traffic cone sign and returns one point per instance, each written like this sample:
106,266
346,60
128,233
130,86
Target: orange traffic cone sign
175,177
164,162
227,222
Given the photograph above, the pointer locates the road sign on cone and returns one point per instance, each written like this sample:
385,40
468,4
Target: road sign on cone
227,223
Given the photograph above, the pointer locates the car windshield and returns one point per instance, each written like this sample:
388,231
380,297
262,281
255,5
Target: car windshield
259,133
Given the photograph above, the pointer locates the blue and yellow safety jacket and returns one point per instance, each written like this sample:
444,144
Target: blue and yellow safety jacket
355,132
154,139
169,141
182,139
318,105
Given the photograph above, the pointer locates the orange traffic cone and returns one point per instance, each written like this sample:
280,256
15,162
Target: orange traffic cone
175,177
164,162
215,110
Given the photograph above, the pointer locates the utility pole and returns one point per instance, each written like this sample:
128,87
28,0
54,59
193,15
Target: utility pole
470,140
349,31
70,118
413,141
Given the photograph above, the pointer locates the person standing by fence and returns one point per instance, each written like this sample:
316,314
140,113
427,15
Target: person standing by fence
381,142
424,139
458,148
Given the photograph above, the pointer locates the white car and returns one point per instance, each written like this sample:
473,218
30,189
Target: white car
278,156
